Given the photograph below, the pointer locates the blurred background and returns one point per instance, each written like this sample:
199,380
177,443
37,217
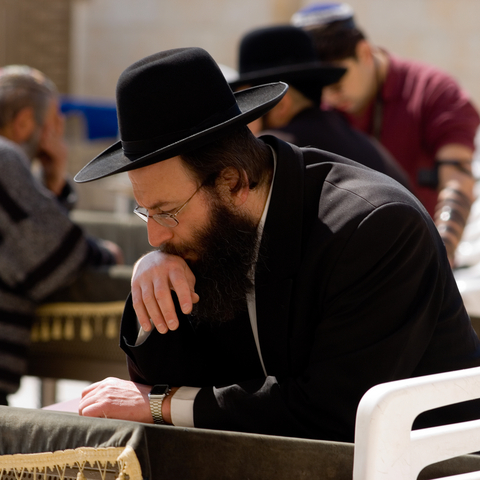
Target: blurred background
84,45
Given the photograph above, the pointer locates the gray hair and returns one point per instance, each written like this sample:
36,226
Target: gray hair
20,87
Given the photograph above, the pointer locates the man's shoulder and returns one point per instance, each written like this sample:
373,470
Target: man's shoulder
408,75
348,176
10,152
7,145
305,124
312,119
405,66
348,179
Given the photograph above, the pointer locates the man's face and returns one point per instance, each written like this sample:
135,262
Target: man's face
354,91
218,242
164,187
270,120
257,126
53,125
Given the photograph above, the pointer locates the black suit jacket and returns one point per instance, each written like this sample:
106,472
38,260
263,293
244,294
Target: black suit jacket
353,288
330,131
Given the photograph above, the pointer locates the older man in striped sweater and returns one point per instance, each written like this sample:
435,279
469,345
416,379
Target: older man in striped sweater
40,248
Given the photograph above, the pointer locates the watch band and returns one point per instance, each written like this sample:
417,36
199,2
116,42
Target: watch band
156,397
156,409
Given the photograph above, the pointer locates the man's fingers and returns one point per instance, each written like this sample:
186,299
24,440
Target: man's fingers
155,303
139,307
163,312
195,297
116,398
154,278
89,388
92,411
184,291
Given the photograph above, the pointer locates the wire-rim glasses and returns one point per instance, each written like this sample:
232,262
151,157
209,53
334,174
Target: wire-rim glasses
165,219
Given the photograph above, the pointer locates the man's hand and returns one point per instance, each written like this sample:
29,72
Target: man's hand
154,276
53,154
116,398
114,249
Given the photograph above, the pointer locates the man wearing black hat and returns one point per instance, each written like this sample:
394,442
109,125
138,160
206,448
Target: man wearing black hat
296,288
285,53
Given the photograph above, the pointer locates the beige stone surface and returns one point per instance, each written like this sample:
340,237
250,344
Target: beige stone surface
109,35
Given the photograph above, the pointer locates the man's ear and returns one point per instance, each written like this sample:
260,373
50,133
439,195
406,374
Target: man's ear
364,51
23,125
233,186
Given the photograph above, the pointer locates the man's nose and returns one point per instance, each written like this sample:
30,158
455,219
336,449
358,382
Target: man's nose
158,234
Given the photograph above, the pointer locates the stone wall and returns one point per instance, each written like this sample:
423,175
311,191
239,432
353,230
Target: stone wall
108,35
37,33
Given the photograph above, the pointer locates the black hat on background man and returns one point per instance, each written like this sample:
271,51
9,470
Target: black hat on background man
283,53
173,102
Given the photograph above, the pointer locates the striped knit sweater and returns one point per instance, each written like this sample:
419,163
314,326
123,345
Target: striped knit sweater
41,250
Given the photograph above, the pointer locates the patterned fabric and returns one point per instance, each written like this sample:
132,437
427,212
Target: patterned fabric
81,464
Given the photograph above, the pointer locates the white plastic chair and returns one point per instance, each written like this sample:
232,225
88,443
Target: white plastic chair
385,445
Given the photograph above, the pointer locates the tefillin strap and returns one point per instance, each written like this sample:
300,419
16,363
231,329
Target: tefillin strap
428,177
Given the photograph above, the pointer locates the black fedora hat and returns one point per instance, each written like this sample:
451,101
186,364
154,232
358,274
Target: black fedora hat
282,53
172,102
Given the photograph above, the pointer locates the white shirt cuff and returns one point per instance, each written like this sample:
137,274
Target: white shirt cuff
181,406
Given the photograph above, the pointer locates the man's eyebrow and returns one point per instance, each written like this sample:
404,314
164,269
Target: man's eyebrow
159,205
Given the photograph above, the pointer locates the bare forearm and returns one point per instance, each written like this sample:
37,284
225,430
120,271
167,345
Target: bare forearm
451,216
455,198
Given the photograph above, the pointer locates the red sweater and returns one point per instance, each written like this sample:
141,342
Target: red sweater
423,110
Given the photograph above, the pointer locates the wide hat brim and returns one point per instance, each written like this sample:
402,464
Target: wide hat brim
318,72
252,103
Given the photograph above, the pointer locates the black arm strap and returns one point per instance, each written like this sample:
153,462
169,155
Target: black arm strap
429,177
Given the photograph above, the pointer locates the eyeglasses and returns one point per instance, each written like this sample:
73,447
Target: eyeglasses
165,219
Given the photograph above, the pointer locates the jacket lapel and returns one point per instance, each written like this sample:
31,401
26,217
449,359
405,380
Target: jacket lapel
280,254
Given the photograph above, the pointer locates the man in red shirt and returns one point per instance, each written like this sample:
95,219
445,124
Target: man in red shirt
419,113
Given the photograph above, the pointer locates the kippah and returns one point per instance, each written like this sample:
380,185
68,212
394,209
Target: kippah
322,14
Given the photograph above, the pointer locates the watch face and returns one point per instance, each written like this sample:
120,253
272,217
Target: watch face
159,390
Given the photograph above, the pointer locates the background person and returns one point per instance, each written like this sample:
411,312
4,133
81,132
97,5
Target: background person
285,53
41,250
301,278
419,113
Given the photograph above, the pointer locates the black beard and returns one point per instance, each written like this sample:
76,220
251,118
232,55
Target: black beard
226,253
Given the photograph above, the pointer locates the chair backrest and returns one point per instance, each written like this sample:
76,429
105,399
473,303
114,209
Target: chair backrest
386,447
